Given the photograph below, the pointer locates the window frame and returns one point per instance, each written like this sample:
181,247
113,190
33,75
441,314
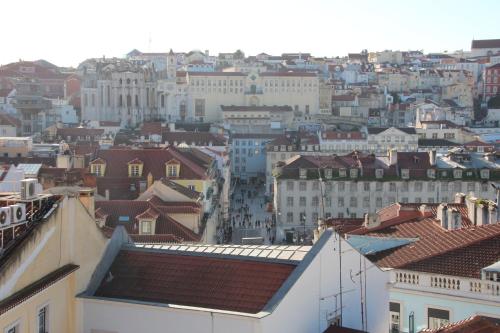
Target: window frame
45,306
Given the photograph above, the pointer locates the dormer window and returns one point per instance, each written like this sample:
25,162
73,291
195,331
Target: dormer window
431,173
146,227
135,168
353,173
485,174
98,167
173,169
457,173
302,173
379,173
405,173
328,173
342,173
276,148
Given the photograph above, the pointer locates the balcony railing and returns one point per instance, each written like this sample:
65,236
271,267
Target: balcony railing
453,285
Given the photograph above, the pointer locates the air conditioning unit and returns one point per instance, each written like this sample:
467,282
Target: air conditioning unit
18,212
5,217
28,188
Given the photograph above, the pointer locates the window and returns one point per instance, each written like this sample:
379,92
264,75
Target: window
418,187
379,173
191,187
353,202
97,169
302,186
431,173
315,201
328,173
353,187
289,186
484,187
471,187
289,201
379,186
172,170
405,173
289,217
366,186
353,173
328,201
431,186
134,170
457,173
302,173
315,185
43,319
457,186
437,318
13,328
302,201
444,187
341,186
392,187
341,202
378,202
199,107
146,227
342,173
366,202
395,319
485,174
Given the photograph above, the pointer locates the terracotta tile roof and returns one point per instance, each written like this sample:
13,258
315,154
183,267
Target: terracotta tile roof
377,130
79,131
191,280
151,128
5,92
199,138
270,108
36,287
414,160
475,324
154,162
485,44
477,143
127,212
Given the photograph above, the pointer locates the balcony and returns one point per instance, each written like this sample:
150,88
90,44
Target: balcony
452,285
255,91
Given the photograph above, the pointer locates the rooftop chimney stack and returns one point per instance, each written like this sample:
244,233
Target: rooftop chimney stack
442,215
433,157
393,157
371,220
492,213
470,202
460,198
454,219
482,214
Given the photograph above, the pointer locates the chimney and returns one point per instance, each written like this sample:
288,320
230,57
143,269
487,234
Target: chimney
482,214
492,213
470,202
86,196
63,161
460,198
171,127
371,220
442,215
454,219
433,157
425,210
393,157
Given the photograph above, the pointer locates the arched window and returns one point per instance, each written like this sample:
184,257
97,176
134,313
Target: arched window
120,101
129,100
162,101
137,100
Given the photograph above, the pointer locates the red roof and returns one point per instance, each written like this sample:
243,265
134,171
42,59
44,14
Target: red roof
127,213
151,128
343,98
460,252
475,324
291,74
8,120
194,280
477,143
154,162
79,131
485,44
198,138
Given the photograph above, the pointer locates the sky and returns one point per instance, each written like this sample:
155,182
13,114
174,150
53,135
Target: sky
66,32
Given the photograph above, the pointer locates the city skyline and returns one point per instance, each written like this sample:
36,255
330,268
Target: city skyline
322,28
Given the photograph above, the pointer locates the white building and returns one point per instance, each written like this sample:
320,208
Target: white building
310,187
235,289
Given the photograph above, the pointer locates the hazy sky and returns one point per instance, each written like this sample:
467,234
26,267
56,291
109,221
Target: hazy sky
67,32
